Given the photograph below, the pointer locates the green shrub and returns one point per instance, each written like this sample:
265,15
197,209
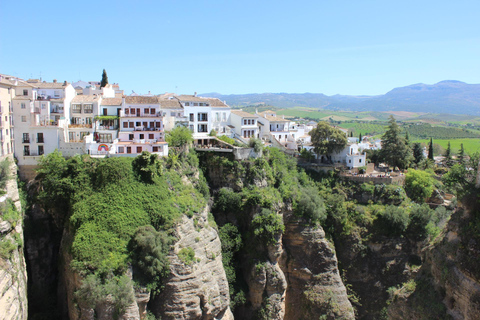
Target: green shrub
310,205
187,255
149,249
267,226
419,185
256,144
393,221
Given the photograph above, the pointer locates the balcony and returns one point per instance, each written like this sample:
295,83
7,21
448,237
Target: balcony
140,115
25,140
32,153
73,126
40,140
57,110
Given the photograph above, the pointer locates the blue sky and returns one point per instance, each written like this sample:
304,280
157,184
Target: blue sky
231,47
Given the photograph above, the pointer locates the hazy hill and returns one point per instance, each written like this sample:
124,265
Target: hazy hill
448,96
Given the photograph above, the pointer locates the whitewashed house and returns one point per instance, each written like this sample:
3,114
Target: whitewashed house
244,125
205,115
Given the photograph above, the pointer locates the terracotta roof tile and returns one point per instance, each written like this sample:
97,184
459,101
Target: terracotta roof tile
141,100
82,99
244,114
111,101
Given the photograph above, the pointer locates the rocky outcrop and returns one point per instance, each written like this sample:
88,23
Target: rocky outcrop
314,284
197,287
13,273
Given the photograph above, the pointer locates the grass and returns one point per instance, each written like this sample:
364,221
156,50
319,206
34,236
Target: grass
470,145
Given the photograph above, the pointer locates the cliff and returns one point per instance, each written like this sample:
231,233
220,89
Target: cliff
196,287
13,273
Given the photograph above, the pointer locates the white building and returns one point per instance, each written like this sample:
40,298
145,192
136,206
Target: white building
205,115
40,112
244,124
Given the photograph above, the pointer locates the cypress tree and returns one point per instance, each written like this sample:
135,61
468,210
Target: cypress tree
104,81
430,149
360,138
461,154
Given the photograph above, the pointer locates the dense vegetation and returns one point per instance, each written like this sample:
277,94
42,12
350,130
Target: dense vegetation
119,212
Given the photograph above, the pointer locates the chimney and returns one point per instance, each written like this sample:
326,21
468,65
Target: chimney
65,82
195,94
54,80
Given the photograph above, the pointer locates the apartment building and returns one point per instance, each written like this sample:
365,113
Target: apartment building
205,115
244,124
7,92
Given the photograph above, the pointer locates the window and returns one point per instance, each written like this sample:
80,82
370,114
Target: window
131,125
88,120
24,118
26,150
105,112
130,137
125,124
172,114
139,149
152,111
202,128
23,106
121,149
127,111
146,111
43,106
129,149
138,124
88,108
217,116
192,117
56,94
40,137
142,136
195,104
105,137
76,108
187,104
40,150
25,92
191,127
26,138
151,136
224,116
359,160
202,117
244,122
158,124
155,149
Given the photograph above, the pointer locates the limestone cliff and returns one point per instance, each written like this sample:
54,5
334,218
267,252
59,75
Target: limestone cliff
13,273
314,284
448,284
197,287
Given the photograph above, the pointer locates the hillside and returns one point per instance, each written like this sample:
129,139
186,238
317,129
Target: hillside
448,96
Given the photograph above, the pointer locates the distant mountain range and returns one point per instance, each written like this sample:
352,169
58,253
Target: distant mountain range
450,96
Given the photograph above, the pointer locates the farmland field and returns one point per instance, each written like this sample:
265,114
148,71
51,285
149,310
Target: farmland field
470,145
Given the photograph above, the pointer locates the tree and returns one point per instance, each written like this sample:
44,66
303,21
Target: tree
395,152
461,154
430,150
407,139
448,155
418,185
104,81
179,137
327,139
417,153
360,138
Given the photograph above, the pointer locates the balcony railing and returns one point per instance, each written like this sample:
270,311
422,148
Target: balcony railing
137,115
25,140
40,140
88,125
32,153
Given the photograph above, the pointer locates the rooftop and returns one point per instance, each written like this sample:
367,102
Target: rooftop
244,114
141,100
111,101
85,98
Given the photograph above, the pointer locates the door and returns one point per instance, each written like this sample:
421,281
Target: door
138,112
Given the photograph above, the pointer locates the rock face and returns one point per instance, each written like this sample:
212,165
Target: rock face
314,284
197,287
13,273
